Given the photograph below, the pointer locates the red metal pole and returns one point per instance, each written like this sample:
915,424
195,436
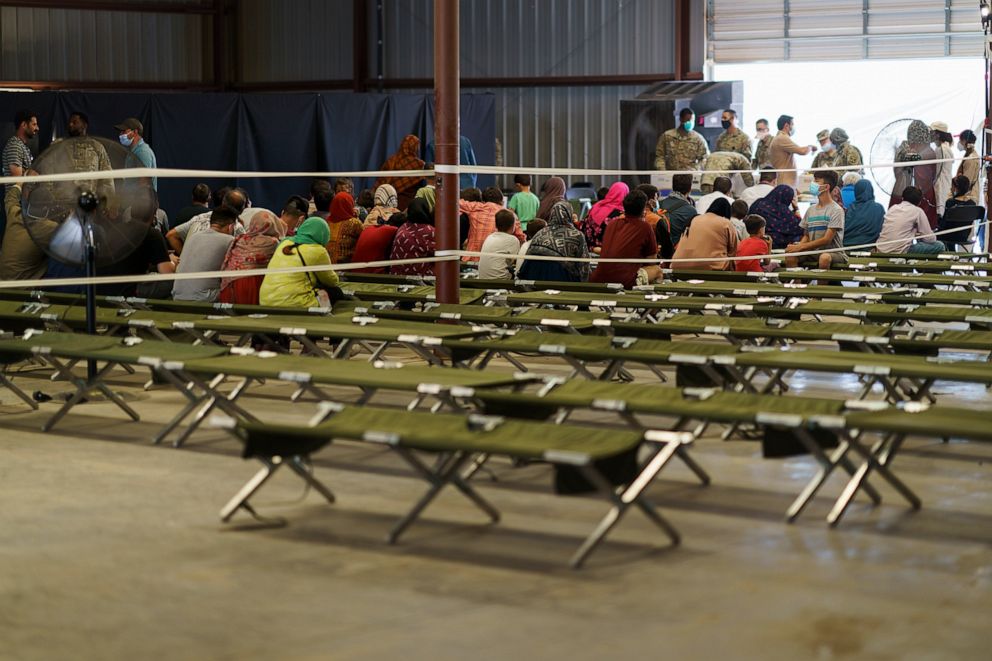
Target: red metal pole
446,132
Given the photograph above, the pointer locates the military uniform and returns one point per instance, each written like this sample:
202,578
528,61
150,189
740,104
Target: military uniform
87,155
677,150
848,154
737,142
724,160
825,160
761,152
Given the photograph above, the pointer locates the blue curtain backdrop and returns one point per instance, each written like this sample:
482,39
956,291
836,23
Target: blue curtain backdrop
265,132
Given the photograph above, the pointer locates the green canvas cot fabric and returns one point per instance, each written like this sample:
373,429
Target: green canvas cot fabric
921,265
702,404
474,314
847,362
454,432
593,347
345,372
974,340
14,349
936,421
131,352
962,256
23,310
748,327
379,330
879,312
638,300
417,293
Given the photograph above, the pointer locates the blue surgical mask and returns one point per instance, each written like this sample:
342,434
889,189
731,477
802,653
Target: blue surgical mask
126,141
814,189
687,125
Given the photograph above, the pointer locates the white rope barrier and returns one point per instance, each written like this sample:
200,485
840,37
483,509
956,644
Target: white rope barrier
173,173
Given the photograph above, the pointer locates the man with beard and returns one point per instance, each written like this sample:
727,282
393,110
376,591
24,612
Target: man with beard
87,154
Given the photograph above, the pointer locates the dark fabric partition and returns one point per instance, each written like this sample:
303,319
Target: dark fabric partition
278,133
270,132
193,131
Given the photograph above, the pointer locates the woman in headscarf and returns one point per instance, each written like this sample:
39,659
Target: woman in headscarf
552,192
721,207
305,248
385,206
609,207
863,219
559,239
406,158
415,240
781,221
429,195
251,250
344,228
917,147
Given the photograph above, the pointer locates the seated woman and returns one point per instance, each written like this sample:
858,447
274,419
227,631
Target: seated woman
778,208
305,248
414,240
863,218
345,228
251,250
376,243
385,206
559,239
961,185
710,239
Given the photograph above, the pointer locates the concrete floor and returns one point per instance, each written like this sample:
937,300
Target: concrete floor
112,549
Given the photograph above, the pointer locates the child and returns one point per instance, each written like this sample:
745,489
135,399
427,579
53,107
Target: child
535,226
523,203
756,244
503,242
823,228
738,212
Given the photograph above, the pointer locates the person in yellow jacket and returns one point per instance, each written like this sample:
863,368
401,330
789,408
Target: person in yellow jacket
305,248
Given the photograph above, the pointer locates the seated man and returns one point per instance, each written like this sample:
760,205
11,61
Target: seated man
503,242
205,251
482,219
679,206
907,221
151,255
628,237
721,190
823,227
767,182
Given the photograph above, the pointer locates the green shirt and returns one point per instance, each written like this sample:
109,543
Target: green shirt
525,205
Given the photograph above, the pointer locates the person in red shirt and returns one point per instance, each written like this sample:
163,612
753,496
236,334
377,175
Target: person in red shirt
628,237
376,243
755,244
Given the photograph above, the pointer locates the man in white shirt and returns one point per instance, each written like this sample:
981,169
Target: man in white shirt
492,267
721,188
907,221
766,183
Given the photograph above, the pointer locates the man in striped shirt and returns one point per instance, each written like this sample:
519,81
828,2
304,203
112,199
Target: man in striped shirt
16,155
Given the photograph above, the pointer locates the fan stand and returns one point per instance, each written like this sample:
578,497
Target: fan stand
88,203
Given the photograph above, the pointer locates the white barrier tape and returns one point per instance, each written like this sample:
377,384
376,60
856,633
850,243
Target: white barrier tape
171,173
159,277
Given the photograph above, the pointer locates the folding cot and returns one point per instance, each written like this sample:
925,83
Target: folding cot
911,263
349,331
62,350
946,256
406,293
453,440
200,381
966,280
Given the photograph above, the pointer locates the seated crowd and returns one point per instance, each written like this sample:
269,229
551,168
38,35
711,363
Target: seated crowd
221,232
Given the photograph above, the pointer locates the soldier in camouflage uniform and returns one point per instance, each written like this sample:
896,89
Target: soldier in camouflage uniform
720,162
764,138
732,138
681,148
847,154
828,153
87,154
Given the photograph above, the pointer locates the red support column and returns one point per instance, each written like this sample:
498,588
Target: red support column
446,132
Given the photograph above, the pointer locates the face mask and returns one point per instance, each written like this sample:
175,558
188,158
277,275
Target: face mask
126,141
762,133
829,147
814,189
725,123
687,126
962,146
792,131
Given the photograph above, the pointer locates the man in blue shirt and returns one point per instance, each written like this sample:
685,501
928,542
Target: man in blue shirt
140,155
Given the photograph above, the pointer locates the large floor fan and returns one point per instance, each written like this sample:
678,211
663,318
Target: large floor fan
85,223
904,141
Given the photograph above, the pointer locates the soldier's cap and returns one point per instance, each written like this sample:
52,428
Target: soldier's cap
130,124
823,135
940,126
839,136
